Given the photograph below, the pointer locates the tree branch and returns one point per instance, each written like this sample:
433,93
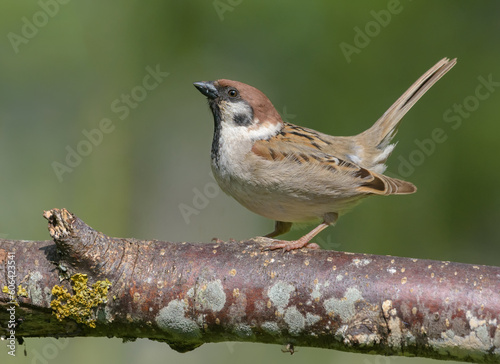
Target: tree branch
187,294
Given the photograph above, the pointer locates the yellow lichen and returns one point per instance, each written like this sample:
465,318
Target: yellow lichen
81,305
12,294
21,291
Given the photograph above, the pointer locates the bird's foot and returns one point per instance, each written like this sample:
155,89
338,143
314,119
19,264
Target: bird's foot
286,245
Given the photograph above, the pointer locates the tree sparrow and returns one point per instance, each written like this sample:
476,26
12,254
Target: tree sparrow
293,174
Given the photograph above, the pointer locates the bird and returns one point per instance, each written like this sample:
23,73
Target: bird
293,174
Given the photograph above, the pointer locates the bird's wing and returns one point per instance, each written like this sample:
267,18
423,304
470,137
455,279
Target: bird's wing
296,145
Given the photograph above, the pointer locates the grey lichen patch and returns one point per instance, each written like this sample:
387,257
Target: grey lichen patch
271,328
449,334
35,291
108,314
460,347
200,319
474,322
295,321
483,335
172,320
340,333
47,291
475,345
395,334
360,262
311,319
344,307
481,329
394,325
496,340
279,294
316,292
208,295
244,331
410,338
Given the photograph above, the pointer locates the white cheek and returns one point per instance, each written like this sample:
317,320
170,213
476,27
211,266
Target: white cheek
264,130
229,109
235,134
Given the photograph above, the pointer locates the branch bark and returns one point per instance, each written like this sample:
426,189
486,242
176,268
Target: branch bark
187,294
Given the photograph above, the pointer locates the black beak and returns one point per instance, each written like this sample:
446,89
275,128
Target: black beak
207,88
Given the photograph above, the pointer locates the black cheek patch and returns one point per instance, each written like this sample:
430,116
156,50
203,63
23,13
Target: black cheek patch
243,119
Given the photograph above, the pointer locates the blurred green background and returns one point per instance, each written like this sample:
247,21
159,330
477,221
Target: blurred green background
61,75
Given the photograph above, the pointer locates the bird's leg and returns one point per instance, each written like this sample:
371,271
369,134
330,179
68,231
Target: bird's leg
300,243
280,228
328,219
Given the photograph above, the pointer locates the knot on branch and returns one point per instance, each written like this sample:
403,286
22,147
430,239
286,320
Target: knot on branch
77,243
60,221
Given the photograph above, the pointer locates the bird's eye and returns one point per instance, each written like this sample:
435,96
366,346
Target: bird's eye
232,92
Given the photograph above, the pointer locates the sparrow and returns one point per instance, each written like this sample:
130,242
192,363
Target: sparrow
293,174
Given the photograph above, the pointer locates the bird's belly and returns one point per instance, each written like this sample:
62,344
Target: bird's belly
284,206
283,194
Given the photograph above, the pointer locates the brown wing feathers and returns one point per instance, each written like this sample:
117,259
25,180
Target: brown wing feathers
282,147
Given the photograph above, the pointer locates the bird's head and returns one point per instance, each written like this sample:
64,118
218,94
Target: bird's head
235,104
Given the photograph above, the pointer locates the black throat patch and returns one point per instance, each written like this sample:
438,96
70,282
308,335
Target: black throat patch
217,126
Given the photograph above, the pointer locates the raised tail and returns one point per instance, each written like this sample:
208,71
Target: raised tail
377,139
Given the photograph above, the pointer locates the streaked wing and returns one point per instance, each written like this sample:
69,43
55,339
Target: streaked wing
306,147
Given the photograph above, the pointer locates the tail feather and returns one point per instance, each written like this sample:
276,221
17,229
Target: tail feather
381,133
384,185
